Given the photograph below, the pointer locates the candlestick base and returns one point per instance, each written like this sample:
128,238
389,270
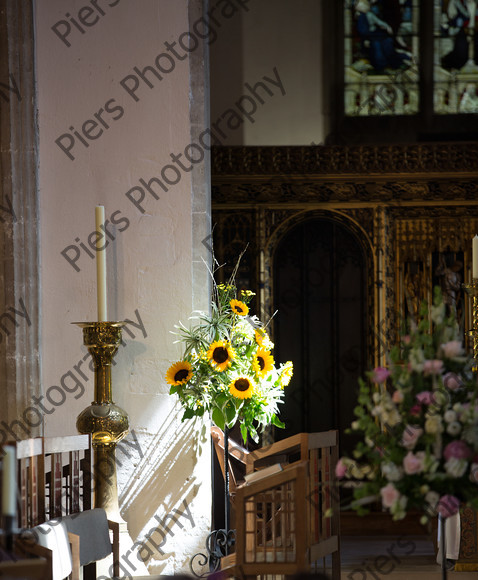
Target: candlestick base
106,422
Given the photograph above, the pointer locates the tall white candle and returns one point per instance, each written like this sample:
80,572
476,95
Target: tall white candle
101,264
9,482
475,257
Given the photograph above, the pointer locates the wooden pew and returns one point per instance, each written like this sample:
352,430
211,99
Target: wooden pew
320,502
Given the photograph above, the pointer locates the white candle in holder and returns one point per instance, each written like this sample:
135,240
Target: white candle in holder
101,263
475,257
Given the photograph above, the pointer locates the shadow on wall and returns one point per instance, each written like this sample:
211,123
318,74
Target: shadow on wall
162,489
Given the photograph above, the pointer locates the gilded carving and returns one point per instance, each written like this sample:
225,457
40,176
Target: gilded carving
408,205
359,159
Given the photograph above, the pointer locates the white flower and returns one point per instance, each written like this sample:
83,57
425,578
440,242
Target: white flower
376,397
355,425
450,416
470,434
370,443
432,498
440,398
433,425
391,471
453,428
456,467
417,360
392,418
438,313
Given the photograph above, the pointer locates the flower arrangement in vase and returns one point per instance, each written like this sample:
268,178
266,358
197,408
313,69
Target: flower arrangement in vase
418,421
227,368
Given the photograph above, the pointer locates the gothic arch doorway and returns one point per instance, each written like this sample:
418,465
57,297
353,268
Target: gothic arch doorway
320,291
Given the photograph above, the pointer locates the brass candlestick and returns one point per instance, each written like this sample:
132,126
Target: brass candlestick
472,290
106,422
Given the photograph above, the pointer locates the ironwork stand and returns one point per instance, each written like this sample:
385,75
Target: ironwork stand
218,542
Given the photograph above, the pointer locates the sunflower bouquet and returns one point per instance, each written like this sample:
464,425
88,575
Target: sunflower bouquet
418,421
227,368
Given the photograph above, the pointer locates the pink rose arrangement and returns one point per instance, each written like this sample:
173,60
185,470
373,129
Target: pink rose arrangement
418,421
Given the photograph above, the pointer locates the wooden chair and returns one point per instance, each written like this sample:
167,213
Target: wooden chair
31,482
237,453
55,476
321,500
92,530
271,537
68,475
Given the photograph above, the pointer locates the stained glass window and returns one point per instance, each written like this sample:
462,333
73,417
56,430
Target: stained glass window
381,55
455,66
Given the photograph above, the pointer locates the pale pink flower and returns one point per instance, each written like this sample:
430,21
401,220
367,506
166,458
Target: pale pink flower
390,495
452,381
397,396
425,398
340,469
474,472
448,506
406,339
411,435
458,449
414,463
432,367
380,375
452,349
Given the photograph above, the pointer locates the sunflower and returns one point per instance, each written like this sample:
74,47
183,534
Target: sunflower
286,373
242,387
220,355
179,373
239,307
263,362
263,340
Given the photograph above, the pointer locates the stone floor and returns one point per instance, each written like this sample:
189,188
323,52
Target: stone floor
393,558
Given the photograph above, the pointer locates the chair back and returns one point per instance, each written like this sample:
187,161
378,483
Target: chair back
319,504
31,478
271,537
236,452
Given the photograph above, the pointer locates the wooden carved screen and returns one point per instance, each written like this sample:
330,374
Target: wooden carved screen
414,210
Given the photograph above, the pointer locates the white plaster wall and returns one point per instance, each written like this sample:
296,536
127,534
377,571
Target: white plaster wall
166,465
281,34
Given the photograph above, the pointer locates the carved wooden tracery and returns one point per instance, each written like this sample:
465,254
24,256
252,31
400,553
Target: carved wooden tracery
411,208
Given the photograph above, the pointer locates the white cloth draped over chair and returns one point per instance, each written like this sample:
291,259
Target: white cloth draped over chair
53,535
